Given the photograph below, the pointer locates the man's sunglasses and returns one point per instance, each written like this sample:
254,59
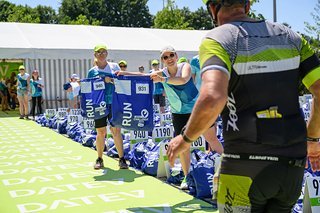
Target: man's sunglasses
123,66
101,52
170,56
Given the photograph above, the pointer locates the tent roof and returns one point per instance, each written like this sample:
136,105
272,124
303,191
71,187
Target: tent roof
21,40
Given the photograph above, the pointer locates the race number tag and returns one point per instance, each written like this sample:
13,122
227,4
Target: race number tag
62,114
200,144
166,117
75,112
88,123
161,133
51,112
138,136
74,118
311,200
156,108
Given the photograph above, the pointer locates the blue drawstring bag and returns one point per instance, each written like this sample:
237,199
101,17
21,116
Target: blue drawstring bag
61,125
202,171
88,140
151,160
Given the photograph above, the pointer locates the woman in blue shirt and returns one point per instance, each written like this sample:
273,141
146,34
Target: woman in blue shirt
36,84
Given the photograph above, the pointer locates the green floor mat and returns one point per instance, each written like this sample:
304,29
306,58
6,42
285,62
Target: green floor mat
43,171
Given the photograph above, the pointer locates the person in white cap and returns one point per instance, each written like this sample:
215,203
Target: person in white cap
74,81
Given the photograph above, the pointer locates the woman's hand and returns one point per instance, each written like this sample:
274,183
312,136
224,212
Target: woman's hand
157,78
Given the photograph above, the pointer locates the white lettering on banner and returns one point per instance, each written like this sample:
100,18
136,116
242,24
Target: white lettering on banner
89,108
233,117
210,181
78,201
127,114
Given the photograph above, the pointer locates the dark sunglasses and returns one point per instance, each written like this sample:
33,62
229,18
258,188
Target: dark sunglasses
101,53
170,56
123,66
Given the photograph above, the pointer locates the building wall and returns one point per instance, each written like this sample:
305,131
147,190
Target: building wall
56,72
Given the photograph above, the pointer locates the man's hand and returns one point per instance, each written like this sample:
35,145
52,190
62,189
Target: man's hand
314,155
108,80
176,146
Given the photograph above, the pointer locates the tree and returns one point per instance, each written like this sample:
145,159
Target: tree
6,8
171,18
122,13
47,15
314,30
198,20
24,14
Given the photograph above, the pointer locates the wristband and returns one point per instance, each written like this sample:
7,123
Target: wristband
313,139
185,137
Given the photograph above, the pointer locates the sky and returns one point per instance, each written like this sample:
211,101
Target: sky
288,11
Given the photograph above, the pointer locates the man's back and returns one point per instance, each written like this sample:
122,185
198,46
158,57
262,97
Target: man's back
264,59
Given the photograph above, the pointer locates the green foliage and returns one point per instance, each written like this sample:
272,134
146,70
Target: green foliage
24,14
314,29
122,13
171,18
6,8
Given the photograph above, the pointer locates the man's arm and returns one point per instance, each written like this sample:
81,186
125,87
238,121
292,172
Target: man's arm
212,99
313,127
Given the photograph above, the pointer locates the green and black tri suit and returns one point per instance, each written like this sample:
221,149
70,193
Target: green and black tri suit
265,63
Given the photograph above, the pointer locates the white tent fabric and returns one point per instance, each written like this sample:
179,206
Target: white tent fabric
57,51
52,41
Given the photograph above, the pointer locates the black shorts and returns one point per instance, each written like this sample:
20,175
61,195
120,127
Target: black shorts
103,122
159,99
261,186
180,120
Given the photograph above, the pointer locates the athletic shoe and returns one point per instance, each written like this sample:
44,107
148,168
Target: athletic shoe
21,117
122,163
98,164
184,184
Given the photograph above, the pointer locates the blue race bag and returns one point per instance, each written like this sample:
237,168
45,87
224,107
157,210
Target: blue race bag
132,100
151,160
93,104
202,171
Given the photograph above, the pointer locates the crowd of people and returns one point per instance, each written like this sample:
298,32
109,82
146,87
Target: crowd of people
250,73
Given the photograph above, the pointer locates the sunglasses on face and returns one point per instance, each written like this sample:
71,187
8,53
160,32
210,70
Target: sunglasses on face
168,56
123,66
101,52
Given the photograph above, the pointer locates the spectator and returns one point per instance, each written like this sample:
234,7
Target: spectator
37,85
103,69
23,92
158,91
141,69
123,65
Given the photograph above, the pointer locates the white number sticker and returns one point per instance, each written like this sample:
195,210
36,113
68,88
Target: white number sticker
88,123
74,118
162,132
51,112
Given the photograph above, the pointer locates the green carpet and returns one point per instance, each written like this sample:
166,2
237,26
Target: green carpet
43,171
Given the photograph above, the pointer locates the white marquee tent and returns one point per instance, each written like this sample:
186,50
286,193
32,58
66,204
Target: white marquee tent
57,51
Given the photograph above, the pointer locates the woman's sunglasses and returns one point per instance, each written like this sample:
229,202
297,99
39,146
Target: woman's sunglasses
123,66
101,53
170,56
